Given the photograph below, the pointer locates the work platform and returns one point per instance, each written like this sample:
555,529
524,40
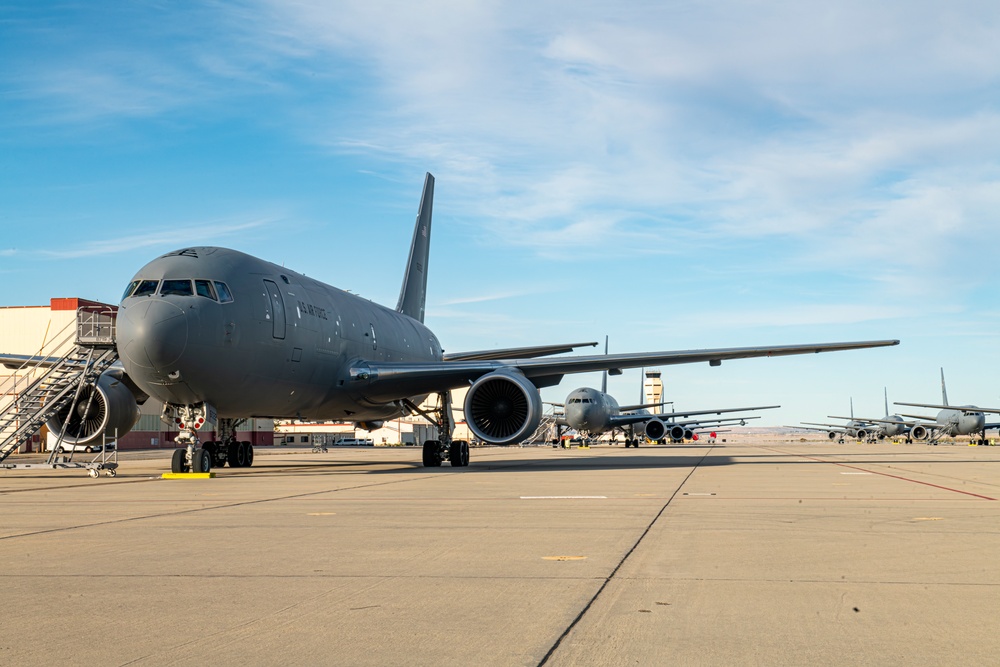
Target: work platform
768,553
58,388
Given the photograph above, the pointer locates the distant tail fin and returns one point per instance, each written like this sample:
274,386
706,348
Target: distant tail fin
944,390
413,295
604,378
852,408
885,392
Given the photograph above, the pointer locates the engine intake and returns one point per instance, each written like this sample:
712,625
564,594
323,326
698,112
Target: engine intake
677,432
503,407
105,407
655,429
918,432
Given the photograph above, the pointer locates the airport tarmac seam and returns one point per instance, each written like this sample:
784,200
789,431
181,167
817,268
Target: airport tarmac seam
607,580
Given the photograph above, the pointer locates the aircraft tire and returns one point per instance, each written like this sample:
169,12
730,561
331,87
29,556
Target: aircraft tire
432,454
248,454
177,462
236,455
459,454
201,461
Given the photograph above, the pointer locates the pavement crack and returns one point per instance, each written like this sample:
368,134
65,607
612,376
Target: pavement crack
583,612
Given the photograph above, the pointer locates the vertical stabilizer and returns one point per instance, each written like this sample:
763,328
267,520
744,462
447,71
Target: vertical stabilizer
413,294
604,378
885,392
944,390
852,408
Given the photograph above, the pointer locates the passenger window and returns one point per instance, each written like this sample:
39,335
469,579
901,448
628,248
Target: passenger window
146,288
225,296
204,288
176,287
131,288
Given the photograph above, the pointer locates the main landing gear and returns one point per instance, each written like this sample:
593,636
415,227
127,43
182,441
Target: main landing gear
435,452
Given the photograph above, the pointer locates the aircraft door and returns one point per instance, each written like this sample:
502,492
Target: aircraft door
277,309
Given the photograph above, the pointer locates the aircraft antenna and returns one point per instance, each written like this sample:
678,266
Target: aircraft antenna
413,294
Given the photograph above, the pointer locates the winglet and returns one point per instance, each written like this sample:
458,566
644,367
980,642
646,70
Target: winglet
413,294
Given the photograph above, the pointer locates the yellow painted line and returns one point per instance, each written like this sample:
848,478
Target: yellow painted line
929,518
564,558
320,513
188,475
563,497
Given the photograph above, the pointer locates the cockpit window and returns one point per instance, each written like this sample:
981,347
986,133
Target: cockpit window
204,288
225,296
176,287
146,288
131,288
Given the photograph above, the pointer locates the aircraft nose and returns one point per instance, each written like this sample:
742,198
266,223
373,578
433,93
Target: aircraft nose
152,333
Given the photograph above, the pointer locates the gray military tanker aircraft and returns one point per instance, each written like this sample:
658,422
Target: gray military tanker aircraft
855,428
218,334
951,421
594,412
889,426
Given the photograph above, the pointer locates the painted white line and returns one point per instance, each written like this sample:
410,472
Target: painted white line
563,497
699,494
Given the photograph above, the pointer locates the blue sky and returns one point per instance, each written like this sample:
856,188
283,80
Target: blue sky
675,175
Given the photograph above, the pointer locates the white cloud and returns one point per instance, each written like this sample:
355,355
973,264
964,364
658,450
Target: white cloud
174,236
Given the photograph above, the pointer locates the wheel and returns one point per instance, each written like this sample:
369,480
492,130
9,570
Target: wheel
178,462
458,454
247,454
236,454
88,449
112,473
201,461
93,472
432,454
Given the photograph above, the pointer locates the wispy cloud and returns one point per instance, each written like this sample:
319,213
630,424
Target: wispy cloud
176,236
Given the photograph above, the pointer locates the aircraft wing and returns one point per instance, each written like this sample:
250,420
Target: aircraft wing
388,381
618,421
516,352
888,421
644,406
960,408
931,420
717,411
18,361
838,428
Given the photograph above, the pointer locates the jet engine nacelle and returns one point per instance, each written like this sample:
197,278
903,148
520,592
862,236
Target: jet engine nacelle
655,428
503,407
677,432
106,407
833,435
370,425
862,434
918,433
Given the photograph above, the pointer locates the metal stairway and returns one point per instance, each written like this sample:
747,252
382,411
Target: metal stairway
545,426
61,384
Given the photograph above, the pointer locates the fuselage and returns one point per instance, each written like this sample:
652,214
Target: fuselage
960,422
589,410
253,339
